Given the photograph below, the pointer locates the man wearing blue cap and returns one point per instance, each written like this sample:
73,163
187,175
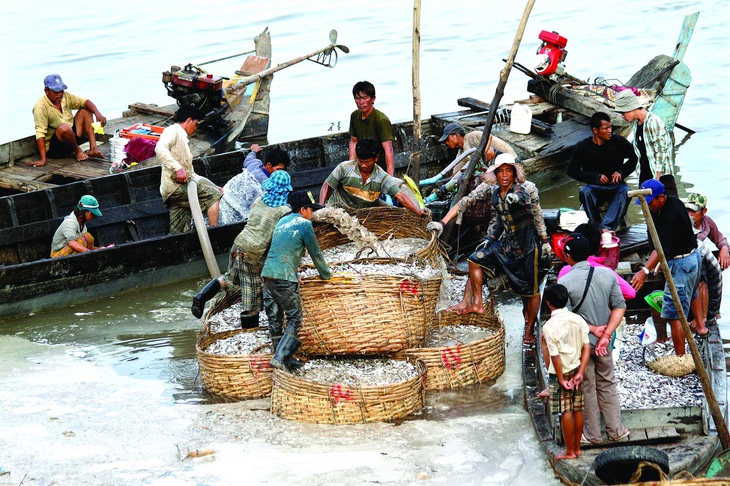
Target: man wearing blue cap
679,243
72,236
58,131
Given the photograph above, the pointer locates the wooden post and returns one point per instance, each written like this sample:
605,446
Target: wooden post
499,92
416,154
715,411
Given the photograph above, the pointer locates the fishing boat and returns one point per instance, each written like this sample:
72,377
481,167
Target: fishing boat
235,108
685,432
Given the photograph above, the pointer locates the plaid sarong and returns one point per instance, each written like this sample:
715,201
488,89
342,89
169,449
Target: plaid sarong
248,277
562,400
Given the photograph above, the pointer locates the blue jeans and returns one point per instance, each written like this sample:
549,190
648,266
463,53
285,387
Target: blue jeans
686,275
592,196
281,298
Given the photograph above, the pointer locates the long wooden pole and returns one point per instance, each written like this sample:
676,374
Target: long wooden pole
416,174
715,411
499,92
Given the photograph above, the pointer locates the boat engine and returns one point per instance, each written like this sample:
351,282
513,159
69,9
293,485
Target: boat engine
551,54
193,86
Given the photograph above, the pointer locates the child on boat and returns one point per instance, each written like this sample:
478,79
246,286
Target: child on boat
566,340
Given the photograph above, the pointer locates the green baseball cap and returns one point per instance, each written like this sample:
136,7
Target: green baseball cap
89,203
695,201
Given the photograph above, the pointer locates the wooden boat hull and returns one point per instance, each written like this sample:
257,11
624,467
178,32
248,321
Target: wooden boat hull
691,451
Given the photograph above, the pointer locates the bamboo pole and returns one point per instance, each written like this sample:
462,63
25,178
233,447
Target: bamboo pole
499,92
416,154
715,411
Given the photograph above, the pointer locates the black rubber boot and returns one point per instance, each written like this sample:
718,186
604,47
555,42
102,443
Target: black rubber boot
295,364
249,321
275,343
208,292
284,351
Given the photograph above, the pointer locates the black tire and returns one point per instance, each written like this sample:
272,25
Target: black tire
617,465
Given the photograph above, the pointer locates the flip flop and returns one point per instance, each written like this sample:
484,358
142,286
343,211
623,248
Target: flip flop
703,336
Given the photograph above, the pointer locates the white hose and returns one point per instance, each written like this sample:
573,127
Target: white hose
200,227
436,178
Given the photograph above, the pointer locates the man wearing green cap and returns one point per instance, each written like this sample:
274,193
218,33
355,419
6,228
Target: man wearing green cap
72,236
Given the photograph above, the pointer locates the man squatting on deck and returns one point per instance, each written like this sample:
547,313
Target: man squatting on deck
511,246
595,295
177,169
58,132
566,342
679,243
359,183
249,250
72,237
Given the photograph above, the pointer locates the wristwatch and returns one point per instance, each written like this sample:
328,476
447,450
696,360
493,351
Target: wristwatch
646,270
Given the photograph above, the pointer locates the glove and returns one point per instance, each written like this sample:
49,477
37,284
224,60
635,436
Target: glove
484,244
436,226
547,250
511,198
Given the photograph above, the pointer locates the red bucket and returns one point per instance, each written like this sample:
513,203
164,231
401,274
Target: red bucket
611,252
557,243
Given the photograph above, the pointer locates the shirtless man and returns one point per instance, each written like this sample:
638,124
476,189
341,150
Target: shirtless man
58,132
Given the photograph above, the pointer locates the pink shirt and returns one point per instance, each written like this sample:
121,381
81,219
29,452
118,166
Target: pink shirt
595,261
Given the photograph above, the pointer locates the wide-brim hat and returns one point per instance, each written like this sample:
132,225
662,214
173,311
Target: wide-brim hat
627,101
500,160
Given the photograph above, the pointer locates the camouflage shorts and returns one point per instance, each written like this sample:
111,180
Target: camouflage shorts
179,206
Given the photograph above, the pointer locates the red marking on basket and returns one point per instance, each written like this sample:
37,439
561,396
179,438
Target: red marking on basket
258,363
338,394
451,357
408,286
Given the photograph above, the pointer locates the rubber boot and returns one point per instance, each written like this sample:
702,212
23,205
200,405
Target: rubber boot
249,321
284,351
275,342
208,292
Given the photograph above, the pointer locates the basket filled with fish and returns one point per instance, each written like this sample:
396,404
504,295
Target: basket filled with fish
462,350
349,391
235,364
224,314
368,307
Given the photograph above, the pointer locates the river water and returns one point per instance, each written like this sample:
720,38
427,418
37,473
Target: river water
108,392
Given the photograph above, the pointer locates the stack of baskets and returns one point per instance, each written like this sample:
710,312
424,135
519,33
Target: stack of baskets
362,314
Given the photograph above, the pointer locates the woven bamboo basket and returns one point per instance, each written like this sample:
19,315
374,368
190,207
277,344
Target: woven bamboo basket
225,301
239,376
464,364
368,314
302,400
384,221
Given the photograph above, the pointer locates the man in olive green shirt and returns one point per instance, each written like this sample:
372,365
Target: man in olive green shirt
367,122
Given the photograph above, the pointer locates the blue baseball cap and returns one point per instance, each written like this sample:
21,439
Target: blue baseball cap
657,189
54,83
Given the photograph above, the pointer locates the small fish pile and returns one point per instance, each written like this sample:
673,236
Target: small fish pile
229,319
641,388
455,335
257,342
357,372
348,226
390,248
452,291
416,270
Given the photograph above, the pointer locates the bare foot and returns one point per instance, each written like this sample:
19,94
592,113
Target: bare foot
564,455
458,308
544,394
96,153
472,309
37,163
578,453
528,339
81,155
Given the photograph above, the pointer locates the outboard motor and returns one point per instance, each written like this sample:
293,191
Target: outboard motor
192,86
551,54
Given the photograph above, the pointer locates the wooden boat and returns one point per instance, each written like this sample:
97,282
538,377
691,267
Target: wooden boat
136,222
232,111
685,433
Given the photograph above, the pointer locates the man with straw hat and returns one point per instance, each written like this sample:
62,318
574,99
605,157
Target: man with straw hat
247,253
652,142
511,247
72,236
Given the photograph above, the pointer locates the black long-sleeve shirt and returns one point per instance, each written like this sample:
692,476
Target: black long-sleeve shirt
589,160
674,228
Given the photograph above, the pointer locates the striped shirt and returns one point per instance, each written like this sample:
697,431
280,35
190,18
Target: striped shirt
350,190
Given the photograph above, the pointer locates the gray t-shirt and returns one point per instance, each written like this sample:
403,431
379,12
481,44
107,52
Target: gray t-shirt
604,294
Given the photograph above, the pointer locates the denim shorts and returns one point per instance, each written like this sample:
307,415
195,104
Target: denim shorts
686,275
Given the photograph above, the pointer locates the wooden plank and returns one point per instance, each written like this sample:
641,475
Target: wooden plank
148,109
